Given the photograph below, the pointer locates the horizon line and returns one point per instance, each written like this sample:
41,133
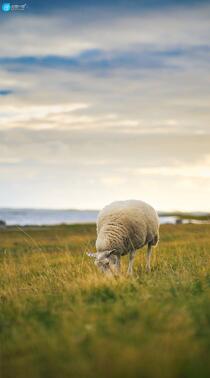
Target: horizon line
174,211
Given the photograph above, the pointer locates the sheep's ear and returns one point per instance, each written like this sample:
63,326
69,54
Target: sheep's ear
91,254
109,253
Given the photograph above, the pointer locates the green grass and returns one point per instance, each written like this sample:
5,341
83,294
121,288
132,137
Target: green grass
188,216
59,317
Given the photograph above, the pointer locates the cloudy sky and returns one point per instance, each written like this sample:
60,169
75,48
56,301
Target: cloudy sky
105,100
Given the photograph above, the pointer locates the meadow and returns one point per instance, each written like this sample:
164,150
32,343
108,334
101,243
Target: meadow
59,317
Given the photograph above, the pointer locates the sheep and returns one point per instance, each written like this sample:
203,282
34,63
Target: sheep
122,228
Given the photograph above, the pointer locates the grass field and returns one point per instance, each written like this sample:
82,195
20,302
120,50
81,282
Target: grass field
59,317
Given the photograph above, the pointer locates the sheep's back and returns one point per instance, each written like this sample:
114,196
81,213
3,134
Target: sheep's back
126,225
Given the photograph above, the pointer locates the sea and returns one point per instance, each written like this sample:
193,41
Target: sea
38,217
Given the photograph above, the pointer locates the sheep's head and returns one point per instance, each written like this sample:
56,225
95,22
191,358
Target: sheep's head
104,260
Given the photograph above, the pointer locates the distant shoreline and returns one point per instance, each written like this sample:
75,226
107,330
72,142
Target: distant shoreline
43,217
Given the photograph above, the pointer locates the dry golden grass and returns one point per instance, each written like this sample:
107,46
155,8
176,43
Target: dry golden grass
60,317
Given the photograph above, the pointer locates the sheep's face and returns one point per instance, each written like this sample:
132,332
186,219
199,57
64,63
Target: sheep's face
103,261
103,264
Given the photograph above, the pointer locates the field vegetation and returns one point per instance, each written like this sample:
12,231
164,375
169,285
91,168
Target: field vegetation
59,317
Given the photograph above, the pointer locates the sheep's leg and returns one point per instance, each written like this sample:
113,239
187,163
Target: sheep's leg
118,264
131,260
115,260
149,253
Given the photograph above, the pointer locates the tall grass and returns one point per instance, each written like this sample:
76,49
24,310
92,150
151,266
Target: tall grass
59,317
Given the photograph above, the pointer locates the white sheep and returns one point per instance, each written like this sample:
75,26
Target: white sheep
122,228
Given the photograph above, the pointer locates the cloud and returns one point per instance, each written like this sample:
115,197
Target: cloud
72,32
106,100
40,116
196,171
5,92
102,150
157,102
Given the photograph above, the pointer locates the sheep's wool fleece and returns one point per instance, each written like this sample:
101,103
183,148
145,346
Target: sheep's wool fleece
126,225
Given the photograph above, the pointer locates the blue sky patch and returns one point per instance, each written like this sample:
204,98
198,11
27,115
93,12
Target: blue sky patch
5,92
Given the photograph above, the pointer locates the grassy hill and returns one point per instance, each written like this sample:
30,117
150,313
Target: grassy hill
59,317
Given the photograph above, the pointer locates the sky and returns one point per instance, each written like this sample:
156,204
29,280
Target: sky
103,101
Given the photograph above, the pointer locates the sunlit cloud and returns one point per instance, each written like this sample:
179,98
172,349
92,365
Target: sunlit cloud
196,171
13,116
